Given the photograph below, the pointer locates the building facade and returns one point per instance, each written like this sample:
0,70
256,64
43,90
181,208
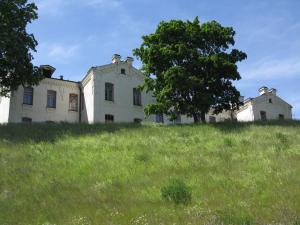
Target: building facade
267,106
107,93
110,93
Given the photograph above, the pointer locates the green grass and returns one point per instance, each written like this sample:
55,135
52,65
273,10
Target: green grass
67,174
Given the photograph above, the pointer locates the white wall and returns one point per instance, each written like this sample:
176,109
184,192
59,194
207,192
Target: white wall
39,112
245,114
251,111
88,100
122,107
278,106
4,109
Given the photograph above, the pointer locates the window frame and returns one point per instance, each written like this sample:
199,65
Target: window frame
137,97
70,107
159,118
123,71
26,120
109,118
27,95
109,92
212,119
137,120
263,115
49,94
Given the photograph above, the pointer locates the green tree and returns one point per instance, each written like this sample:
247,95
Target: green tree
16,45
190,68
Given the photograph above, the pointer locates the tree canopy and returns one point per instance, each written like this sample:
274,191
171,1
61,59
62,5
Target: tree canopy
190,68
16,45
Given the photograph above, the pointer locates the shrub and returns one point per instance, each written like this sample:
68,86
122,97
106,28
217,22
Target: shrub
143,157
177,192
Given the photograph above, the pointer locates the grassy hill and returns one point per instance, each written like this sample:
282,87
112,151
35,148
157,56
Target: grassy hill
67,174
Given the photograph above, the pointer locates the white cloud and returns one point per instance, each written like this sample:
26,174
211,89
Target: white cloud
59,7
103,3
62,52
51,7
273,69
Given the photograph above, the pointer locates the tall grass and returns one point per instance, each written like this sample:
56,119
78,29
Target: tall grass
113,174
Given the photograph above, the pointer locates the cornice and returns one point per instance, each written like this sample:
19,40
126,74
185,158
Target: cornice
61,83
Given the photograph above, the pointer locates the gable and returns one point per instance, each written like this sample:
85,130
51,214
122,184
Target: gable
269,98
117,69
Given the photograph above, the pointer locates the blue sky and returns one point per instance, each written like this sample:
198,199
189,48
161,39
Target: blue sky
74,35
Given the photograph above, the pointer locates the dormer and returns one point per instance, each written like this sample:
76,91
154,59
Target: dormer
47,70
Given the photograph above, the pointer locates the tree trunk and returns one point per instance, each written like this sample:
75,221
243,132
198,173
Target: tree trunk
196,118
203,117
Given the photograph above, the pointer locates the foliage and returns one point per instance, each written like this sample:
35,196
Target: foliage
190,68
177,192
100,174
16,45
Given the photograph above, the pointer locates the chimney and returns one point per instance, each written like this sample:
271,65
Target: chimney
263,90
273,91
61,77
129,61
116,58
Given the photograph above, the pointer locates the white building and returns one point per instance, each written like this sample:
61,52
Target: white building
106,94
110,93
267,106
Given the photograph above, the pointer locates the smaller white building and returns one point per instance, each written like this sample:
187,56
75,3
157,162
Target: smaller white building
267,106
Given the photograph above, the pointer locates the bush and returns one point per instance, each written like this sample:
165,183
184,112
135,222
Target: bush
177,192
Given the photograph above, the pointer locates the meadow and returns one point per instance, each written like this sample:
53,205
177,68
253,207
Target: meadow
65,174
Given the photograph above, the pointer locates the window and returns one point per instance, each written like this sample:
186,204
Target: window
28,96
212,119
137,120
137,97
270,100
26,120
178,119
123,71
109,92
263,115
281,116
159,118
109,118
73,102
51,99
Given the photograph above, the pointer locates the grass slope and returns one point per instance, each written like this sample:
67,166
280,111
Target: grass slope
113,174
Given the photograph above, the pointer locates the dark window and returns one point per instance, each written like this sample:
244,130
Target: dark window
51,99
270,100
73,102
123,71
137,97
28,96
263,115
109,118
178,119
109,92
26,120
212,119
281,116
159,118
137,120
